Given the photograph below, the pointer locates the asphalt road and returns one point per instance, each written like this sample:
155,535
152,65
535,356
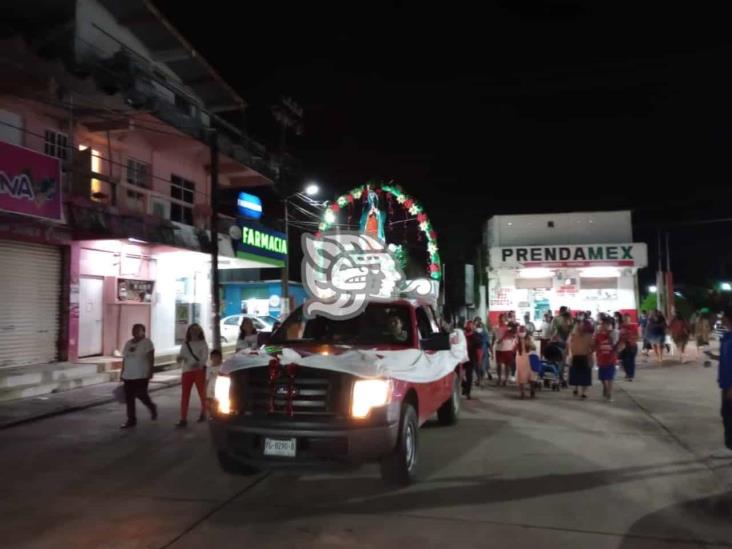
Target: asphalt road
552,472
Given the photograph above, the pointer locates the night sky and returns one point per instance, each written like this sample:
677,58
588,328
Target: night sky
521,107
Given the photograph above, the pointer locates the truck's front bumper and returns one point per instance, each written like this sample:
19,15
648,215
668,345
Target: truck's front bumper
244,441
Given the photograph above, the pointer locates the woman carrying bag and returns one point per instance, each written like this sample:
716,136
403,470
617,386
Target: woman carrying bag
192,358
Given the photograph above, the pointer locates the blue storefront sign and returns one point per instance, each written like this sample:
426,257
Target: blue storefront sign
261,243
249,205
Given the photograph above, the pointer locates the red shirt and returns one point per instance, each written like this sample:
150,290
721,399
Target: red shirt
629,334
604,350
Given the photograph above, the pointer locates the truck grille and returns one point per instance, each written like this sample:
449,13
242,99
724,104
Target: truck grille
315,392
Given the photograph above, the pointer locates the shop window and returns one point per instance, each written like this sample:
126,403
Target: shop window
160,207
138,173
100,190
608,283
136,201
56,144
11,128
534,283
182,190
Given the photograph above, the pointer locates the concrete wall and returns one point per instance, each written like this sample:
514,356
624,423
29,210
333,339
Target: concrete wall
35,120
90,13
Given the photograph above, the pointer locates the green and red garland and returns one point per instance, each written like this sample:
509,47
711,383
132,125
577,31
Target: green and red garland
410,205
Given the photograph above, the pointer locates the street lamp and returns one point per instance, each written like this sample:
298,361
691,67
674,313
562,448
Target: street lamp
725,287
310,190
652,289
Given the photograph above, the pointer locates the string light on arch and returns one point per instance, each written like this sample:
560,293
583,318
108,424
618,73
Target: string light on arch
407,202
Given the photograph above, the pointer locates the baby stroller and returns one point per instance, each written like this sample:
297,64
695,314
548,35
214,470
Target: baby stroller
550,370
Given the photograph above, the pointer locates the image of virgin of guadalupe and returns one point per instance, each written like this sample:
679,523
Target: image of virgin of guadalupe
372,218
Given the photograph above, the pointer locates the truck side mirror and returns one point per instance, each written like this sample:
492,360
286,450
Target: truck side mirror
436,342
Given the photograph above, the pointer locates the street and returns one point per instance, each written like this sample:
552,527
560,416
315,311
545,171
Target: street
552,472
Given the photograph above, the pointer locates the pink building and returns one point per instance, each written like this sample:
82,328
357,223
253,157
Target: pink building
126,128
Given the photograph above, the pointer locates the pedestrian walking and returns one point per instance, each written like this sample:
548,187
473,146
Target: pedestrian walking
469,367
480,339
724,380
656,330
643,324
606,357
192,359
530,326
487,350
546,331
247,335
680,333
580,348
703,330
524,374
629,333
505,345
138,358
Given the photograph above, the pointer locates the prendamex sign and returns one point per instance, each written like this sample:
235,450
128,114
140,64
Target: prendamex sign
585,255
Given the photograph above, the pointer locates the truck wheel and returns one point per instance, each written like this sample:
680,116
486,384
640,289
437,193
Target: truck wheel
448,413
400,467
233,467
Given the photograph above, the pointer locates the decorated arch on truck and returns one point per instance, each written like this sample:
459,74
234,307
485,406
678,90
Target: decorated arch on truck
385,211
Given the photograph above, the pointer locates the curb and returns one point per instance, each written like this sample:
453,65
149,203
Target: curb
99,402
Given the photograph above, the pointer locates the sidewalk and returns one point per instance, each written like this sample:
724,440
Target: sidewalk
17,412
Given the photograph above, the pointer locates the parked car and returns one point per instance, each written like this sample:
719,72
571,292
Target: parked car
319,411
230,325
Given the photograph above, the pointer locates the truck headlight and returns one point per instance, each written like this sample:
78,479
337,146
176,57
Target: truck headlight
221,393
368,394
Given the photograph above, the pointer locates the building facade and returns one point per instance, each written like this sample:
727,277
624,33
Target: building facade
586,261
109,129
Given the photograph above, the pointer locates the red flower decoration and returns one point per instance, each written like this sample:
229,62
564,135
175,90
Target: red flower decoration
408,203
434,268
433,235
274,373
350,198
335,207
421,217
318,234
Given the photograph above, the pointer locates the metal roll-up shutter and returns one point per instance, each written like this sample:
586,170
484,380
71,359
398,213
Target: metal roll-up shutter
30,294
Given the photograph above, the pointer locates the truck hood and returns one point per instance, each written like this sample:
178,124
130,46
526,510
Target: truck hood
411,365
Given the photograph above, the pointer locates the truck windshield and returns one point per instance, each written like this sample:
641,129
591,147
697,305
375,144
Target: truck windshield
379,324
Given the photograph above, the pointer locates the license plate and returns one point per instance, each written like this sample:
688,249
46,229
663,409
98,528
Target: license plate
280,447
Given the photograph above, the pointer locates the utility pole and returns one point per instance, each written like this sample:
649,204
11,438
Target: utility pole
661,297
214,228
288,115
285,306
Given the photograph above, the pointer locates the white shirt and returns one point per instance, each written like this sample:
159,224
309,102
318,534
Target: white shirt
136,363
249,342
188,361
211,373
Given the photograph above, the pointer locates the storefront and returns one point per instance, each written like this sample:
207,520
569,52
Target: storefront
33,245
158,278
580,261
261,298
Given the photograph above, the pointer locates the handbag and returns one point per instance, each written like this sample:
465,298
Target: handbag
198,360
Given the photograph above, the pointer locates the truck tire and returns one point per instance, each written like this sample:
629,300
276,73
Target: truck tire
400,467
233,467
448,413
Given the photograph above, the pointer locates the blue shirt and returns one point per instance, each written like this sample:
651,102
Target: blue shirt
725,361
